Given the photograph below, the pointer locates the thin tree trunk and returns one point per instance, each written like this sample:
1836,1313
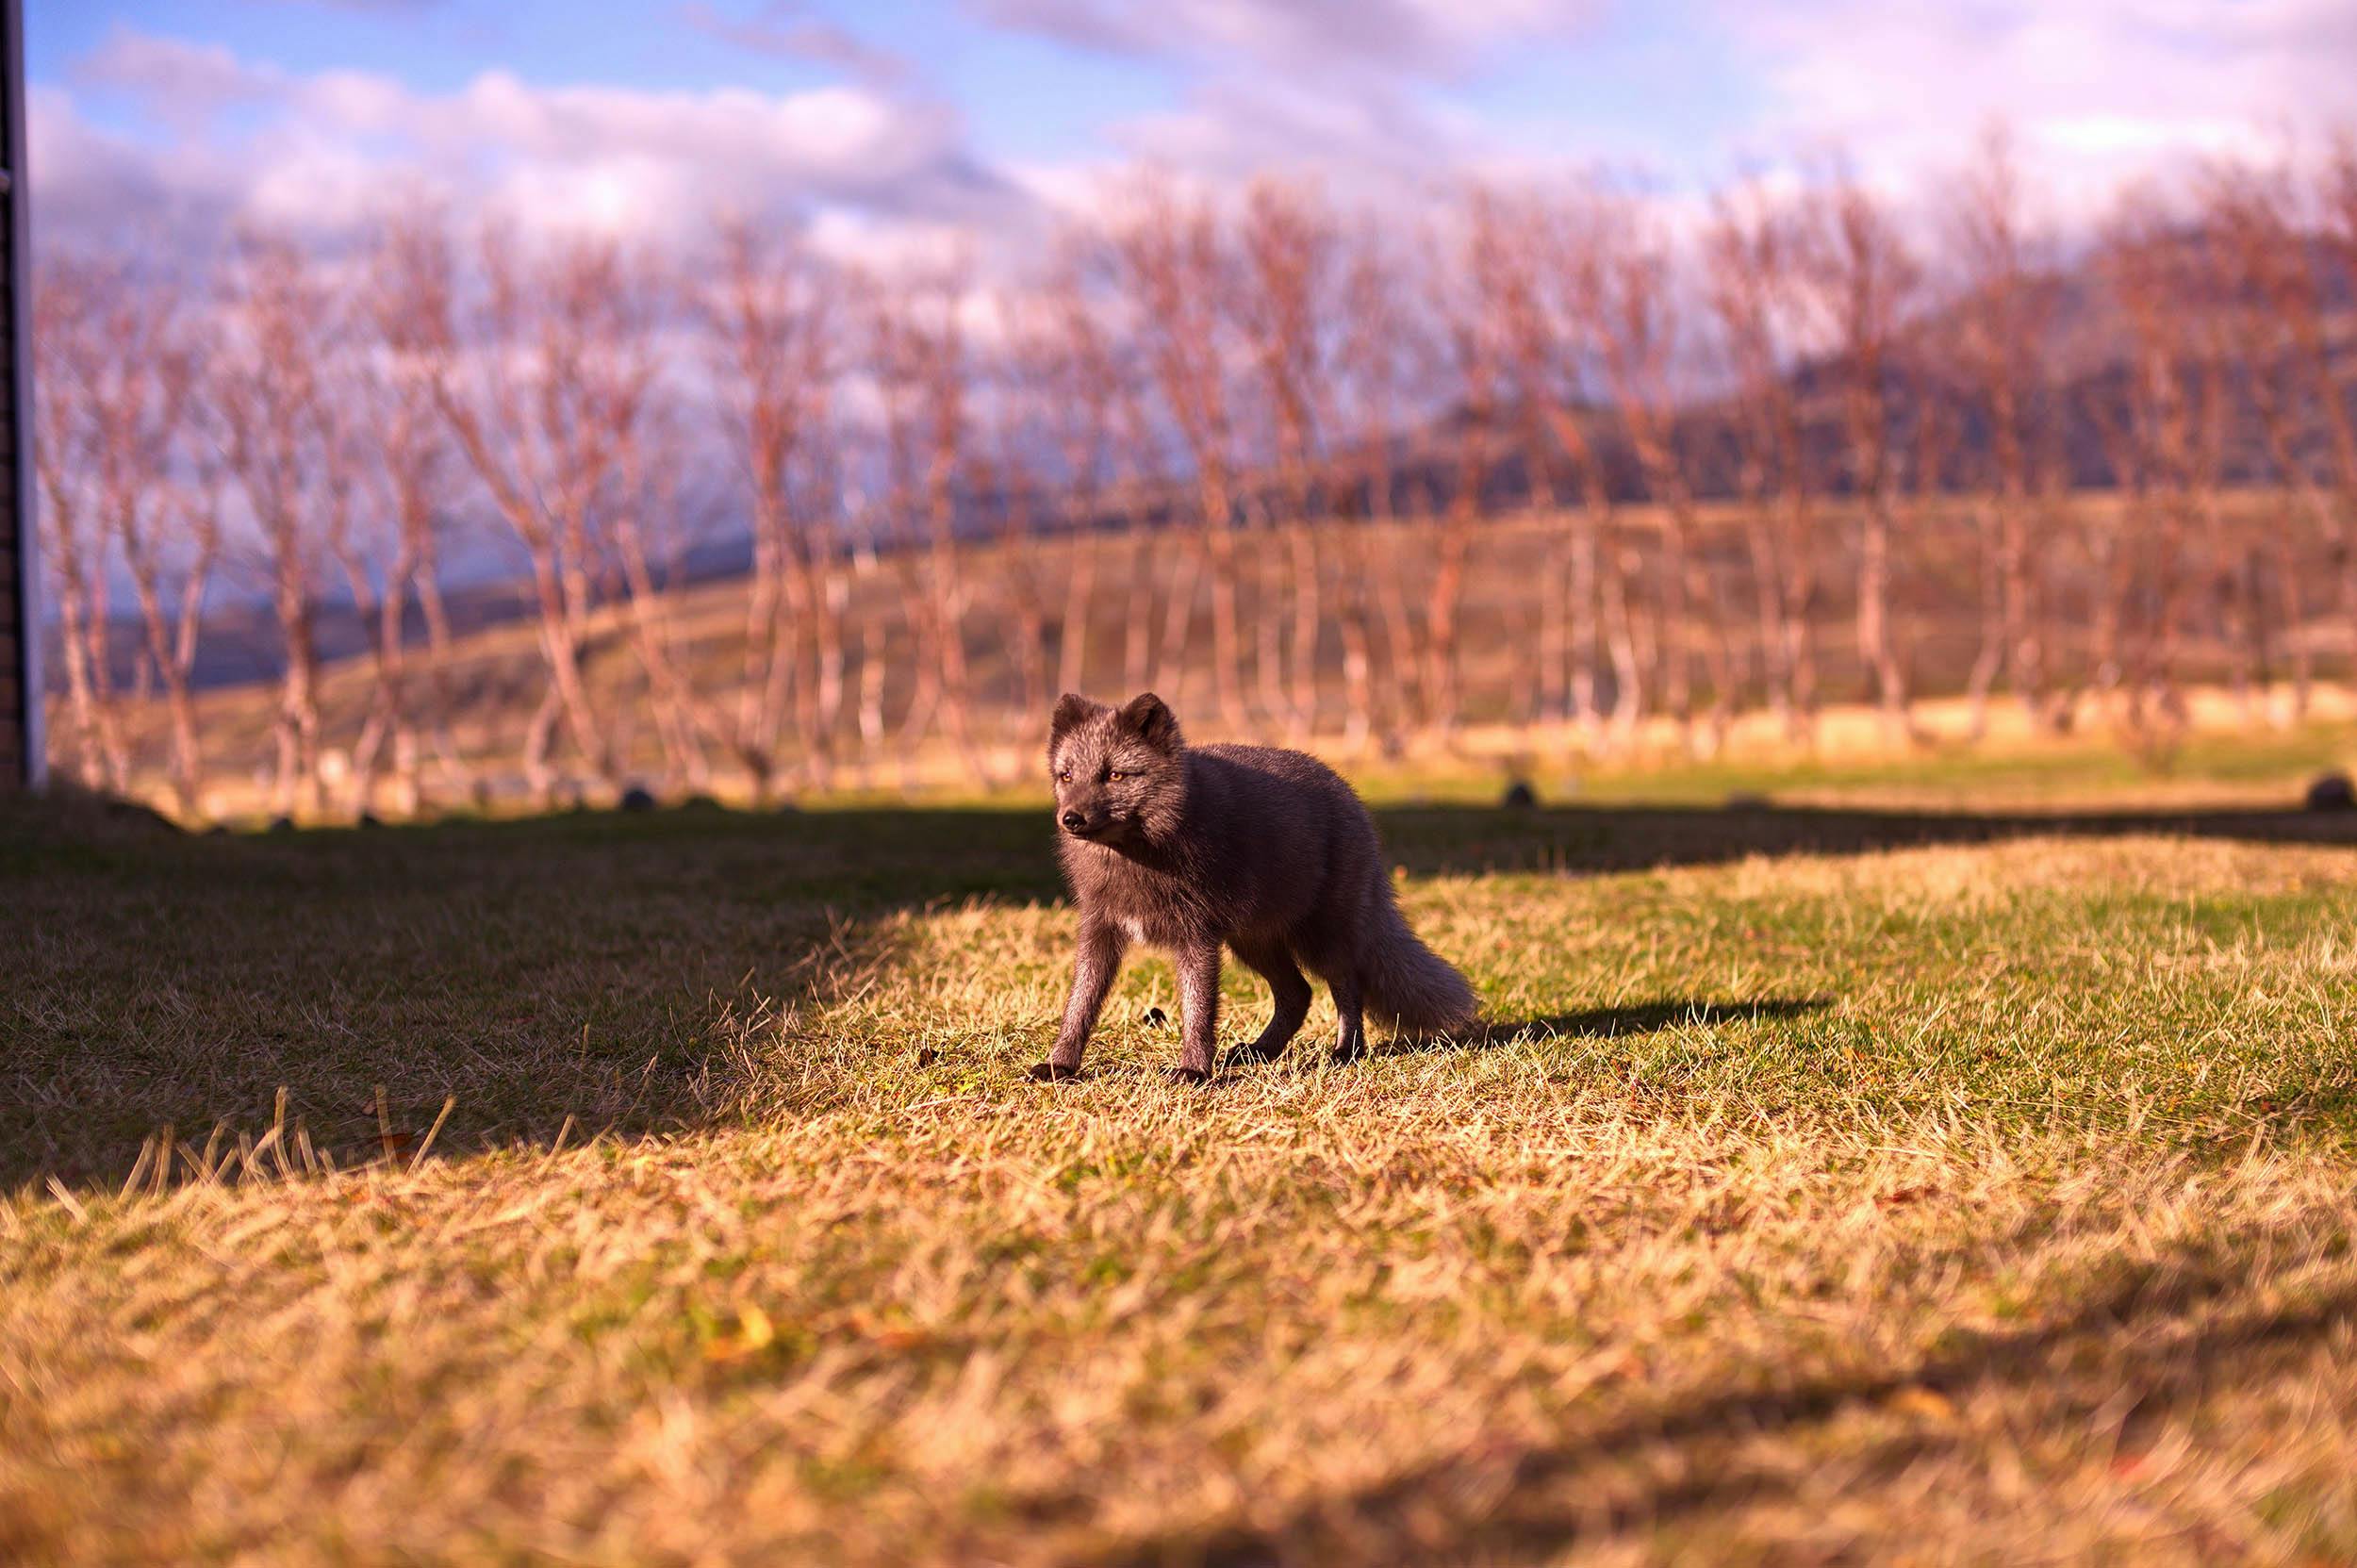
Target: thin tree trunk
296,792
1358,659
1219,552
1268,664
560,644
1995,628
1303,554
2280,551
388,715
180,710
1177,620
1620,632
1441,667
1875,643
1554,635
101,759
427,583
1079,593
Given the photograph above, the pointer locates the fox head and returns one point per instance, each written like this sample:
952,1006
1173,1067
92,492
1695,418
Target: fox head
1120,773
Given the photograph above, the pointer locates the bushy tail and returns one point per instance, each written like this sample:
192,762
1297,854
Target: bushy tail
1408,985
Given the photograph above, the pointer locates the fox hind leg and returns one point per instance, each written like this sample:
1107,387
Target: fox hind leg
1290,990
1333,957
1350,1039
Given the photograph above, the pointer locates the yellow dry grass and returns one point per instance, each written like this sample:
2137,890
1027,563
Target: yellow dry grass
1983,1203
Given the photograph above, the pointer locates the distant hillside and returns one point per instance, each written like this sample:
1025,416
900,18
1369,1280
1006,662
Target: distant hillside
497,677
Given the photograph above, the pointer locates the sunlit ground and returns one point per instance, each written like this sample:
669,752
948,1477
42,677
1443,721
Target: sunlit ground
1827,1180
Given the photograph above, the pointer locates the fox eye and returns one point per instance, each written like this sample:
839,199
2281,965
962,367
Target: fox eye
1063,775
1116,775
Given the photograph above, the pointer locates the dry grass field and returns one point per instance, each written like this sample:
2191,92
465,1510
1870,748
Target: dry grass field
1875,1178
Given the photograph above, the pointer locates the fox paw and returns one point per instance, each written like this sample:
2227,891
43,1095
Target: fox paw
1186,1075
1052,1072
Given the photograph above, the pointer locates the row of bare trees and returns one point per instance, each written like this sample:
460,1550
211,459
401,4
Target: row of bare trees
1559,453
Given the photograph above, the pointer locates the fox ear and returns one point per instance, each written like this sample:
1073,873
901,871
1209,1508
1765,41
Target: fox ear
1071,708
1149,718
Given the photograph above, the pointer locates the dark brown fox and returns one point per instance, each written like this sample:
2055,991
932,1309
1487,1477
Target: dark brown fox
1262,850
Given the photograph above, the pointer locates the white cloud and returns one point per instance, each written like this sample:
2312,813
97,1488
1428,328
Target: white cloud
186,84
1410,38
320,150
1383,98
85,180
2099,90
778,29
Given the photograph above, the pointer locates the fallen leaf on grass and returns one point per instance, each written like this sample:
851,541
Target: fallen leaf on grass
887,1336
754,1333
1927,1403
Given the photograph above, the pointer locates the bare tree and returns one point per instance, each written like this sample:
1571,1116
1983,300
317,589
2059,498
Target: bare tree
770,324
1176,265
1627,281
2336,401
1928,447
1864,279
185,544
2009,296
1377,364
1471,296
76,544
414,471
1290,246
818,708
1014,482
1749,262
872,638
2204,281
287,443
1549,348
650,538
918,348
1079,392
2152,432
363,539
153,488
899,395
534,380
2273,311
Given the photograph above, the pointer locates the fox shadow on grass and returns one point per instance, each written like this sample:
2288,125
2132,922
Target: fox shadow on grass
1599,840
1604,1023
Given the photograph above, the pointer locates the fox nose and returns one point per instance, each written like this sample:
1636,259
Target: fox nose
1075,821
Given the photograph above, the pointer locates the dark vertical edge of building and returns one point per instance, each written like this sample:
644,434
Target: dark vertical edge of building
18,475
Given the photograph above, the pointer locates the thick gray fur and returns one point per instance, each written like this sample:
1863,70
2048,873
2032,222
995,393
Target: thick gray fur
1262,850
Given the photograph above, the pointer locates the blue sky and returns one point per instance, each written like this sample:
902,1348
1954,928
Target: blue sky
898,116
1033,101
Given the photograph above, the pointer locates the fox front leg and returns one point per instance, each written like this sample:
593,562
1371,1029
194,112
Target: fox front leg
1093,971
1198,1003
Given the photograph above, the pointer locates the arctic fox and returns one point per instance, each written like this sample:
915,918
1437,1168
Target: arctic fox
1259,849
